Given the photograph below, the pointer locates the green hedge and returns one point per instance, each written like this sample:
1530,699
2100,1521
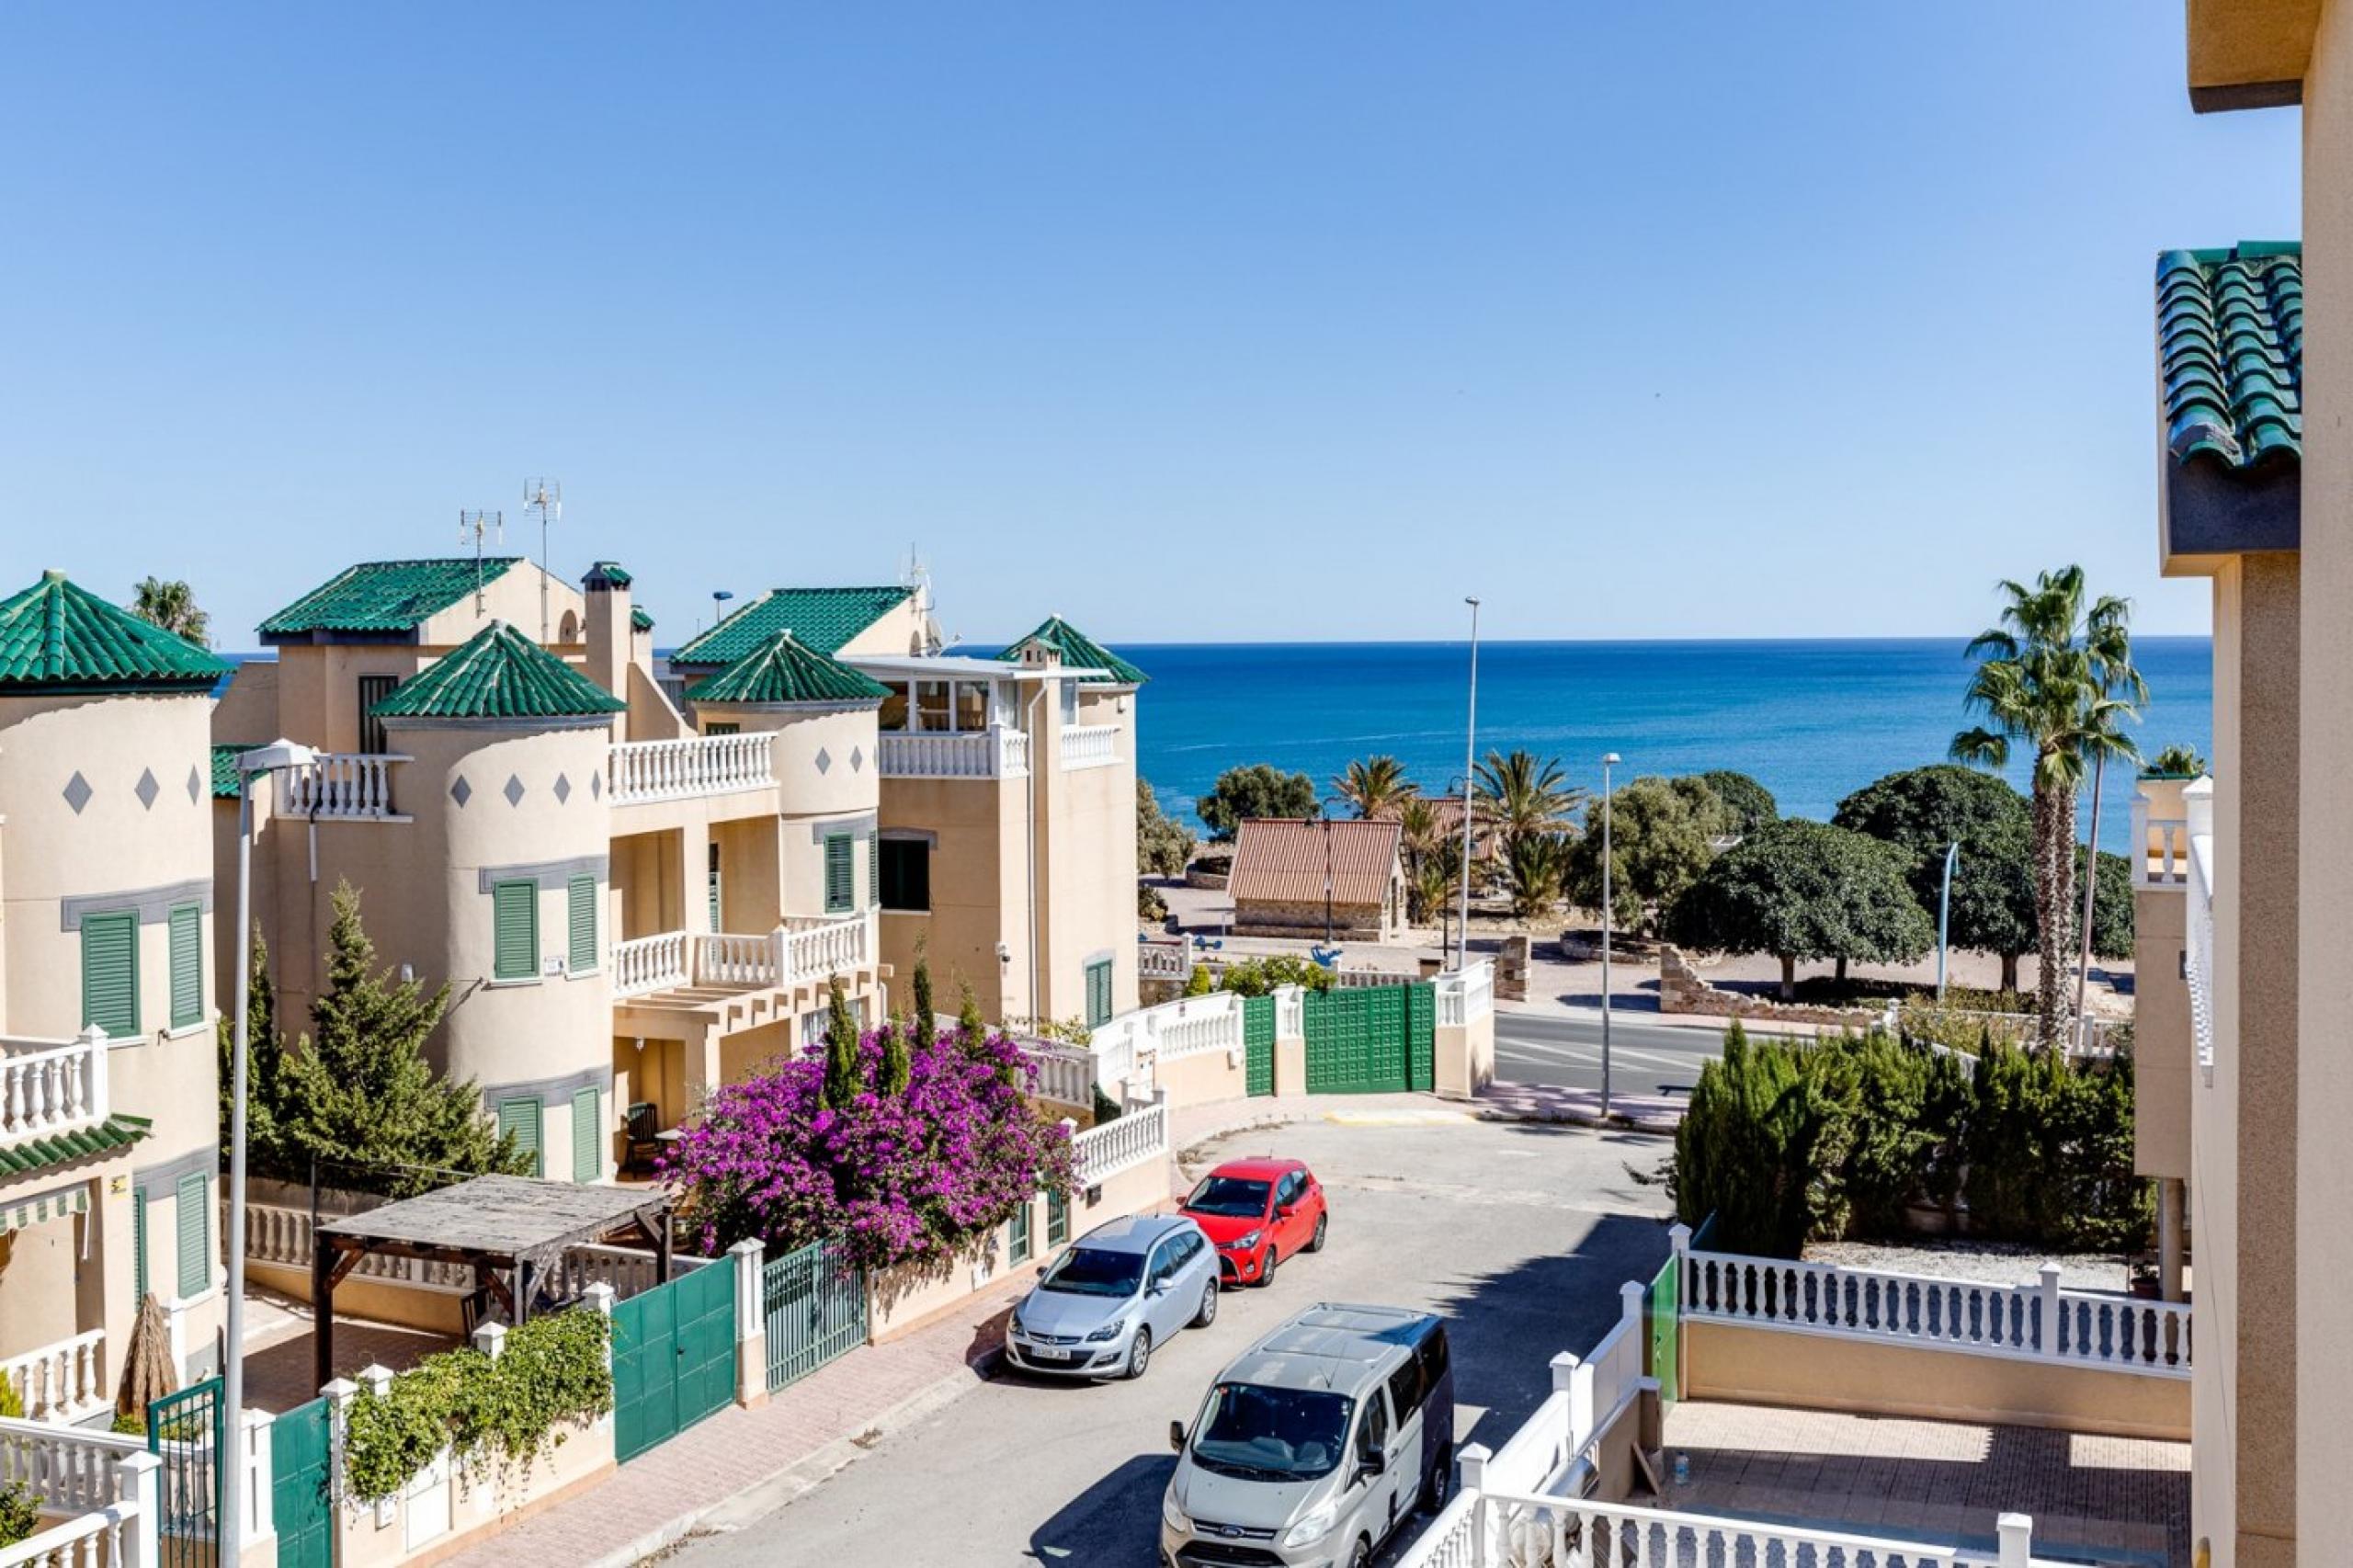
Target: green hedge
1787,1142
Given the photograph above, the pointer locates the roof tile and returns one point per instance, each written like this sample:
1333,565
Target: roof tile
1077,648
498,673
779,671
2231,352
55,636
1281,859
385,595
116,1131
822,619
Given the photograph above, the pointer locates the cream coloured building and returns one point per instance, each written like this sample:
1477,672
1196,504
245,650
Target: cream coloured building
110,1131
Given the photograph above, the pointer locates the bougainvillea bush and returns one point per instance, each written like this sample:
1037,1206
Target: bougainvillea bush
910,1177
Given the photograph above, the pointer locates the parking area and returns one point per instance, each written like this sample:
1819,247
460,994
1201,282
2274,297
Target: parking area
1518,1233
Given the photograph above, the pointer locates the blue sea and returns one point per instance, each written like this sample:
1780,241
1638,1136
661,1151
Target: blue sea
1813,721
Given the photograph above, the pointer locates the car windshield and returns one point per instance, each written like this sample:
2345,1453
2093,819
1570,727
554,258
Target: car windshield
1091,1271
1229,1196
1263,1434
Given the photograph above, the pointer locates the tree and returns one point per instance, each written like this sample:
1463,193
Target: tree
1805,890
2176,762
2045,680
842,1081
1433,858
2111,906
1535,862
1661,833
358,1093
1923,811
1521,794
266,1149
1748,805
926,1023
172,606
1163,846
1375,786
1255,791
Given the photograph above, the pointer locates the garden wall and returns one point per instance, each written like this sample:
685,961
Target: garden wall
1683,989
440,1512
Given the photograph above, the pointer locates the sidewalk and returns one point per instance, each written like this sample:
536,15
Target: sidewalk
1498,1101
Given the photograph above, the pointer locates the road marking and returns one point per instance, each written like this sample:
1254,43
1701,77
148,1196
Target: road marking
1396,1117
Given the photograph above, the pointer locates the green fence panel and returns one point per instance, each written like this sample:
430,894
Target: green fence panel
1663,1318
1421,1036
674,1358
1258,1045
297,1486
184,1432
1361,1041
815,1306
705,1382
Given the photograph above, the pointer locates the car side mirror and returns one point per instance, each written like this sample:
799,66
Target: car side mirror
1176,1435
1373,1462
1286,1212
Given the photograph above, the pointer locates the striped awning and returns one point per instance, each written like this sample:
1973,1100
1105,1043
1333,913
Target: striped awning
21,1212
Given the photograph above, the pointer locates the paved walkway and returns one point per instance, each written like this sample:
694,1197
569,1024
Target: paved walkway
1498,1101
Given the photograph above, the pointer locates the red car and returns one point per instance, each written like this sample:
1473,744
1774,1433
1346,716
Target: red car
1257,1212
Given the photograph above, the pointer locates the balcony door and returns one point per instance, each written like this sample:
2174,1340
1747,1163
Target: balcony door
372,691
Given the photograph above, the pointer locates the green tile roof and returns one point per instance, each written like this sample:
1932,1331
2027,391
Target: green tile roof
2231,350
225,769
57,637
385,595
1077,648
822,619
116,1131
638,620
498,673
609,573
781,670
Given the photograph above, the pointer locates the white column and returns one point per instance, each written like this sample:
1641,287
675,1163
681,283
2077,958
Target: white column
2017,1535
258,1520
749,1259
2053,1332
95,1038
599,1298
338,1395
138,1481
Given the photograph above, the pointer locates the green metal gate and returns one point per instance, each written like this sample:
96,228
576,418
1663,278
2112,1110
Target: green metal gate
1421,1036
184,1432
1663,1317
1356,1040
816,1310
1258,1045
297,1486
674,1358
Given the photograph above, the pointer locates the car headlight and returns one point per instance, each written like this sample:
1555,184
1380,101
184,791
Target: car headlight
1246,1242
1314,1527
1174,1516
1111,1330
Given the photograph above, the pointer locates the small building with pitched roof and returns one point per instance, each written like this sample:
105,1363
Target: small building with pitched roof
1318,878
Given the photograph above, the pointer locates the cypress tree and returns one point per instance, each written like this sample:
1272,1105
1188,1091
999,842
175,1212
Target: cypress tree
842,1079
925,1027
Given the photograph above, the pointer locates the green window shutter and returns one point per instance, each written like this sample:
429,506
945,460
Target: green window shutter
587,1159
138,1244
515,908
1016,1242
1098,992
187,965
196,1235
873,868
521,1117
581,906
111,973
1057,1218
841,891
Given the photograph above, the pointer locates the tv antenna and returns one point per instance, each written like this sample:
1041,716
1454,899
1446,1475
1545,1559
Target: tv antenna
544,496
471,526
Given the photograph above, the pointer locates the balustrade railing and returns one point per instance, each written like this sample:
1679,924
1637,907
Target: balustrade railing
343,786
725,959
49,1086
1140,1135
1163,961
1065,1074
280,1236
2163,848
1001,751
2037,1322
815,948
649,963
1089,746
67,1469
103,1539
1467,995
628,1272
63,1381
803,948
682,770
1507,1530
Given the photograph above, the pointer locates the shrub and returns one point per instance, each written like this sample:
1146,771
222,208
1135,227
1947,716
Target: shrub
1201,982
1162,845
1256,790
12,1406
1106,1107
1259,977
1150,905
19,1514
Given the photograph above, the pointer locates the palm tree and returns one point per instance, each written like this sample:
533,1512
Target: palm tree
1537,862
2045,679
1375,786
1522,796
2178,761
171,606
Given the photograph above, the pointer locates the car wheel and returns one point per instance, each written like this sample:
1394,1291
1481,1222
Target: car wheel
1267,1270
1440,1485
1315,1241
1362,1556
1207,1314
1139,1355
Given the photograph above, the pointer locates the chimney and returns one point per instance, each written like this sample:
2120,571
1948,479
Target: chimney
610,642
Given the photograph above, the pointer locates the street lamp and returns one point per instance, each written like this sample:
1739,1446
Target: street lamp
1944,915
719,597
1470,754
1609,760
1323,811
277,756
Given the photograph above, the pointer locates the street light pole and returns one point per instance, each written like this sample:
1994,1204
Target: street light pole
1944,915
1470,752
267,759
1608,761
1324,809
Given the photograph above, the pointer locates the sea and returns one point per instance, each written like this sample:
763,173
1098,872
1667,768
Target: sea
1811,720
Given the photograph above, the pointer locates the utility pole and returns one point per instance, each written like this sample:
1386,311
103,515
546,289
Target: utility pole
1608,761
1470,752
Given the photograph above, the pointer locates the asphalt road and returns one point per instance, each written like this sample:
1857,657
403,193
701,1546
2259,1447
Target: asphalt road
1519,1233
1645,1058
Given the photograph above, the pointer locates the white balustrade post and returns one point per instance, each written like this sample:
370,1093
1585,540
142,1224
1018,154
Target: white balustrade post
1630,1304
95,1040
599,1298
749,1259
2054,1339
258,1520
138,1481
338,1395
491,1339
2015,1533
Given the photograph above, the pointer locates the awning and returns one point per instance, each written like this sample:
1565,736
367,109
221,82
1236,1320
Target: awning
21,1212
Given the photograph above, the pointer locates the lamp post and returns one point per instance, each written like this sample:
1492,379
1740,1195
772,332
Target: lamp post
1609,760
1470,754
719,597
1944,915
269,759
1323,811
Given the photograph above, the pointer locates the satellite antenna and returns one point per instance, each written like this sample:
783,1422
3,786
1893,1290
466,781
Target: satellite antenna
544,496
471,525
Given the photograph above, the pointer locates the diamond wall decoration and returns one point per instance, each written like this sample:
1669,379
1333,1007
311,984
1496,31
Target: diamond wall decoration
195,787
147,788
77,792
597,786
563,790
461,791
857,759
514,790
825,760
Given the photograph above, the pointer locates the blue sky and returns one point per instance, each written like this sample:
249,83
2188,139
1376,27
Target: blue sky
1215,321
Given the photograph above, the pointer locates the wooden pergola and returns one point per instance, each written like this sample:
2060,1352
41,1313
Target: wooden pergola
508,1230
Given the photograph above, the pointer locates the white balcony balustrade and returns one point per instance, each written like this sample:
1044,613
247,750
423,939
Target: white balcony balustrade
2163,846
48,1086
637,771
343,786
1089,746
802,949
1139,1134
63,1381
649,963
997,752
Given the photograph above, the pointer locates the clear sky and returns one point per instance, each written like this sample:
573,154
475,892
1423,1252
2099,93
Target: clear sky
1183,321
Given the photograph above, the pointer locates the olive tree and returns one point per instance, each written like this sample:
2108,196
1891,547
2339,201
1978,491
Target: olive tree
1802,890
1661,833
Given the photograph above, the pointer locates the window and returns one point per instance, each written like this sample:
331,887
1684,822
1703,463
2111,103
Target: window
186,928
711,865
1057,1218
906,874
587,1159
841,889
813,1028
1098,992
1017,1236
372,691
1431,1353
873,867
580,952
933,713
893,713
972,705
1163,1263
514,939
520,1119
111,973
1069,702
1373,1438
721,727
1405,1388
195,1221
137,1245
